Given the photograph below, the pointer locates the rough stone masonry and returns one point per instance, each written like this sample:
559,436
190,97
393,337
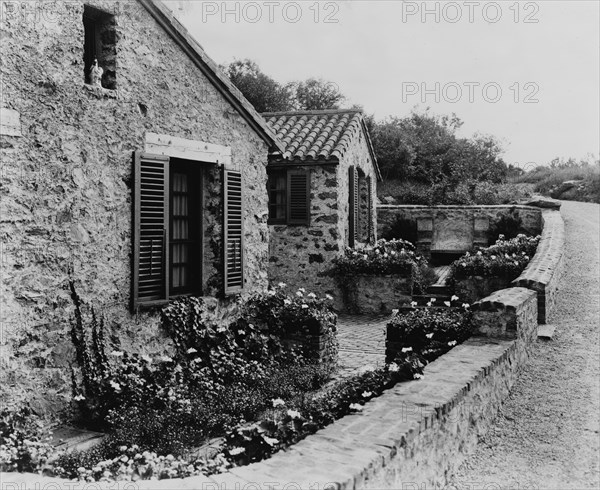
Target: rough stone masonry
66,152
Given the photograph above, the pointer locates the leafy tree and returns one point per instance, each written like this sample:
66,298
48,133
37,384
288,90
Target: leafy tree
264,93
317,94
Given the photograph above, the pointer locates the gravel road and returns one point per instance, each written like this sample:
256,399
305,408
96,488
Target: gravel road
546,434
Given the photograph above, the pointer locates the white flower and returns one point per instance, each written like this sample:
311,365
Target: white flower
147,358
516,263
479,253
465,305
393,368
406,349
166,359
432,300
287,302
277,402
413,303
79,398
294,414
271,292
236,450
299,294
365,256
452,343
329,297
463,264
467,254
493,257
312,295
191,350
385,255
270,441
356,406
282,284
417,376
454,298
429,335
366,394
116,353
507,256
116,386
302,290
122,449
395,311
304,306
447,303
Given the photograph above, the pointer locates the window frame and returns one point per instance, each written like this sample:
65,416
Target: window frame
296,192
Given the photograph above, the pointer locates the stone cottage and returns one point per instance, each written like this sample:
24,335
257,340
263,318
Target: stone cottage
130,165
321,195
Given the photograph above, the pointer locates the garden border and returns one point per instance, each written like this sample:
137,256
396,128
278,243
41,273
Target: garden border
417,432
543,273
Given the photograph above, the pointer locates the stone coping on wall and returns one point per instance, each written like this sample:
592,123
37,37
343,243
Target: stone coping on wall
456,206
417,432
542,274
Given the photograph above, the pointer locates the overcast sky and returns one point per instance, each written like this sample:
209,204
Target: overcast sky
526,72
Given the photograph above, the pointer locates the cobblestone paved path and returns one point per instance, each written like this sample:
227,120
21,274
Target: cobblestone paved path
362,341
547,432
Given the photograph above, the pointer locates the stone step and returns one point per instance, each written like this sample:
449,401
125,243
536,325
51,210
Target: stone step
75,439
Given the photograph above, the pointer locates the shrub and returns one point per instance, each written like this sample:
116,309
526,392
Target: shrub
509,224
402,229
24,444
506,258
430,331
387,257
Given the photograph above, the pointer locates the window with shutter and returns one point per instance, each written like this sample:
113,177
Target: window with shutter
298,197
150,229
352,206
167,230
233,232
289,197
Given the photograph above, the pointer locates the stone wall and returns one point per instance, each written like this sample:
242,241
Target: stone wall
543,273
299,255
454,228
473,288
379,294
67,179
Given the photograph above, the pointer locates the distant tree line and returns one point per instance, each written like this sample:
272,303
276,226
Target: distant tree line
422,147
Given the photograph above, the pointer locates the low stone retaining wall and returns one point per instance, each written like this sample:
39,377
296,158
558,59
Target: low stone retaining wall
543,273
453,228
473,288
417,433
378,294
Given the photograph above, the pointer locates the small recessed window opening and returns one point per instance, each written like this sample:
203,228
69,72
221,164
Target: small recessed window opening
100,48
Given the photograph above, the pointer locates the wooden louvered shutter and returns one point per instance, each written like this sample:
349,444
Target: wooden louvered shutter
233,231
353,206
298,202
150,229
370,234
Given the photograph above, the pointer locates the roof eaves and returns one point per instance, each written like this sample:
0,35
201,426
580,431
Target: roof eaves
209,68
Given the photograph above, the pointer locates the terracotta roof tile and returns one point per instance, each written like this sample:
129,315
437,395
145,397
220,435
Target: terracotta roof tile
315,135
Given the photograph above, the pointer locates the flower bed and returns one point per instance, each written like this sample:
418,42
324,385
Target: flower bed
378,279
477,274
158,411
430,331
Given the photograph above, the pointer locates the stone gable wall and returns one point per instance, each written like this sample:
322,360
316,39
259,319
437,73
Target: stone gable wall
67,178
300,256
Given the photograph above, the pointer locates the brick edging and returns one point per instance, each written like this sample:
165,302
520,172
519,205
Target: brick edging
543,273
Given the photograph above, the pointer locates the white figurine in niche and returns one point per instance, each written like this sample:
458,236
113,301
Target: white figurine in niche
96,74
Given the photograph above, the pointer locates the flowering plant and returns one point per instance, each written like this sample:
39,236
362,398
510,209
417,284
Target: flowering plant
506,258
24,444
386,257
428,332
